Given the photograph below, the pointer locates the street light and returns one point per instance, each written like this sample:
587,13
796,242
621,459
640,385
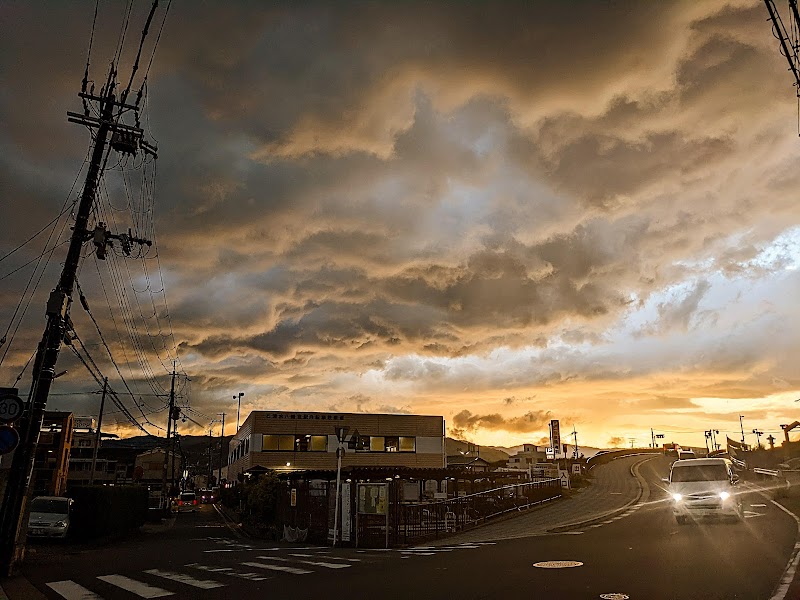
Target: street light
341,433
741,426
238,409
758,437
655,436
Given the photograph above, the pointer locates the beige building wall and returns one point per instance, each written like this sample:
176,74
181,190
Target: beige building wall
248,446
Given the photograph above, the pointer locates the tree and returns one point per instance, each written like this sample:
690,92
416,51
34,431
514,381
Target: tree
261,501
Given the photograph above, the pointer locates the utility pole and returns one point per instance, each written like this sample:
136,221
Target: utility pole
97,433
221,439
164,494
238,409
210,470
575,441
174,439
13,520
741,425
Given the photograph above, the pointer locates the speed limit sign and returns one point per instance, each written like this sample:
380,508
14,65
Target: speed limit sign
10,407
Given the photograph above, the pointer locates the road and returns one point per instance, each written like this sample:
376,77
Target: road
640,554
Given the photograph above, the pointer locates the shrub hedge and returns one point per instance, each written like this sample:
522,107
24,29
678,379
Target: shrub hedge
107,511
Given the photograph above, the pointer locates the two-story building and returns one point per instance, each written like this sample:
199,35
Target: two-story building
303,440
527,457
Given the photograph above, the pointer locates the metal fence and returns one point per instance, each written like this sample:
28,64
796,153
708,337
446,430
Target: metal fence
420,521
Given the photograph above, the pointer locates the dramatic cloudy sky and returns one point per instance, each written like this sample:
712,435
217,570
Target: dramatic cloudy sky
498,212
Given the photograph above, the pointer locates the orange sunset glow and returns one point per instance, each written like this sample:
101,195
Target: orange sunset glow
563,210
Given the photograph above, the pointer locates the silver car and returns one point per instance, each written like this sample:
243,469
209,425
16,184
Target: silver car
49,517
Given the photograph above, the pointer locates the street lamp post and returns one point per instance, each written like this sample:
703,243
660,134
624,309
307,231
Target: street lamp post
341,432
238,409
758,436
741,426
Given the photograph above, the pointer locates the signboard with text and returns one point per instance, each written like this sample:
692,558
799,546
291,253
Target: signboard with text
346,512
372,498
555,436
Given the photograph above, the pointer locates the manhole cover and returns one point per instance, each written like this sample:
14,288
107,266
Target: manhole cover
558,564
615,596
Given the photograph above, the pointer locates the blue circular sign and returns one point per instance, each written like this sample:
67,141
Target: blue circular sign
9,439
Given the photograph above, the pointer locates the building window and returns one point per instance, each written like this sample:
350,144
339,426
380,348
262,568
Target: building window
391,444
377,443
291,443
278,442
408,444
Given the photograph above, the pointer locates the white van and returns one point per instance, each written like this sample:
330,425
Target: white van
704,487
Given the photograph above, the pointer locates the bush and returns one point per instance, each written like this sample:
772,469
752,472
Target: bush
261,499
102,511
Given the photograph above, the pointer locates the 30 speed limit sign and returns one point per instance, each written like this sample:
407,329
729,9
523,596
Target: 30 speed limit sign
10,408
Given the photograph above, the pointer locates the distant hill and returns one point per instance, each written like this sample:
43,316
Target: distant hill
196,447
587,451
452,447
193,447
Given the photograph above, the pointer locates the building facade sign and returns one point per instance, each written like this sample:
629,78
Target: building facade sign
555,436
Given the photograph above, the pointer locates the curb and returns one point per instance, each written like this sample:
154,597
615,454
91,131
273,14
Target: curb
617,511
19,588
235,528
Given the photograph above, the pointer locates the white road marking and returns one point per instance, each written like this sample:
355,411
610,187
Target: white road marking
791,566
278,568
315,563
343,558
758,505
72,591
228,571
558,564
301,555
408,554
139,588
203,584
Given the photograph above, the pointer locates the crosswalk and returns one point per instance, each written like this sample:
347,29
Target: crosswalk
251,563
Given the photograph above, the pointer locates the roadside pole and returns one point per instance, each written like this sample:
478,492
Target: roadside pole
97,433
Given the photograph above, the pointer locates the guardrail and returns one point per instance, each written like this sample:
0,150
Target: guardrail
421,521
608,456
766,472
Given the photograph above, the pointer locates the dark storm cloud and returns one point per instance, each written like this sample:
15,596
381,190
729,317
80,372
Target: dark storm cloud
343,184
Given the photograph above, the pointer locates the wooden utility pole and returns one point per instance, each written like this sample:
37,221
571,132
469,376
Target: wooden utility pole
221,440
164,494
13,525
97,433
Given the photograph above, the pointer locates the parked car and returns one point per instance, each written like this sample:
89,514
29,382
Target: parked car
187,502
49,517
704,487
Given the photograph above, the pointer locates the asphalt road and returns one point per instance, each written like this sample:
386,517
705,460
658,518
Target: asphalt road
641,554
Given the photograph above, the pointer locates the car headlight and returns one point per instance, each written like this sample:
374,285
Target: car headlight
677,497
61,524
724,495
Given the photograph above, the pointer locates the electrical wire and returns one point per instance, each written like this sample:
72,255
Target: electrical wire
35,235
